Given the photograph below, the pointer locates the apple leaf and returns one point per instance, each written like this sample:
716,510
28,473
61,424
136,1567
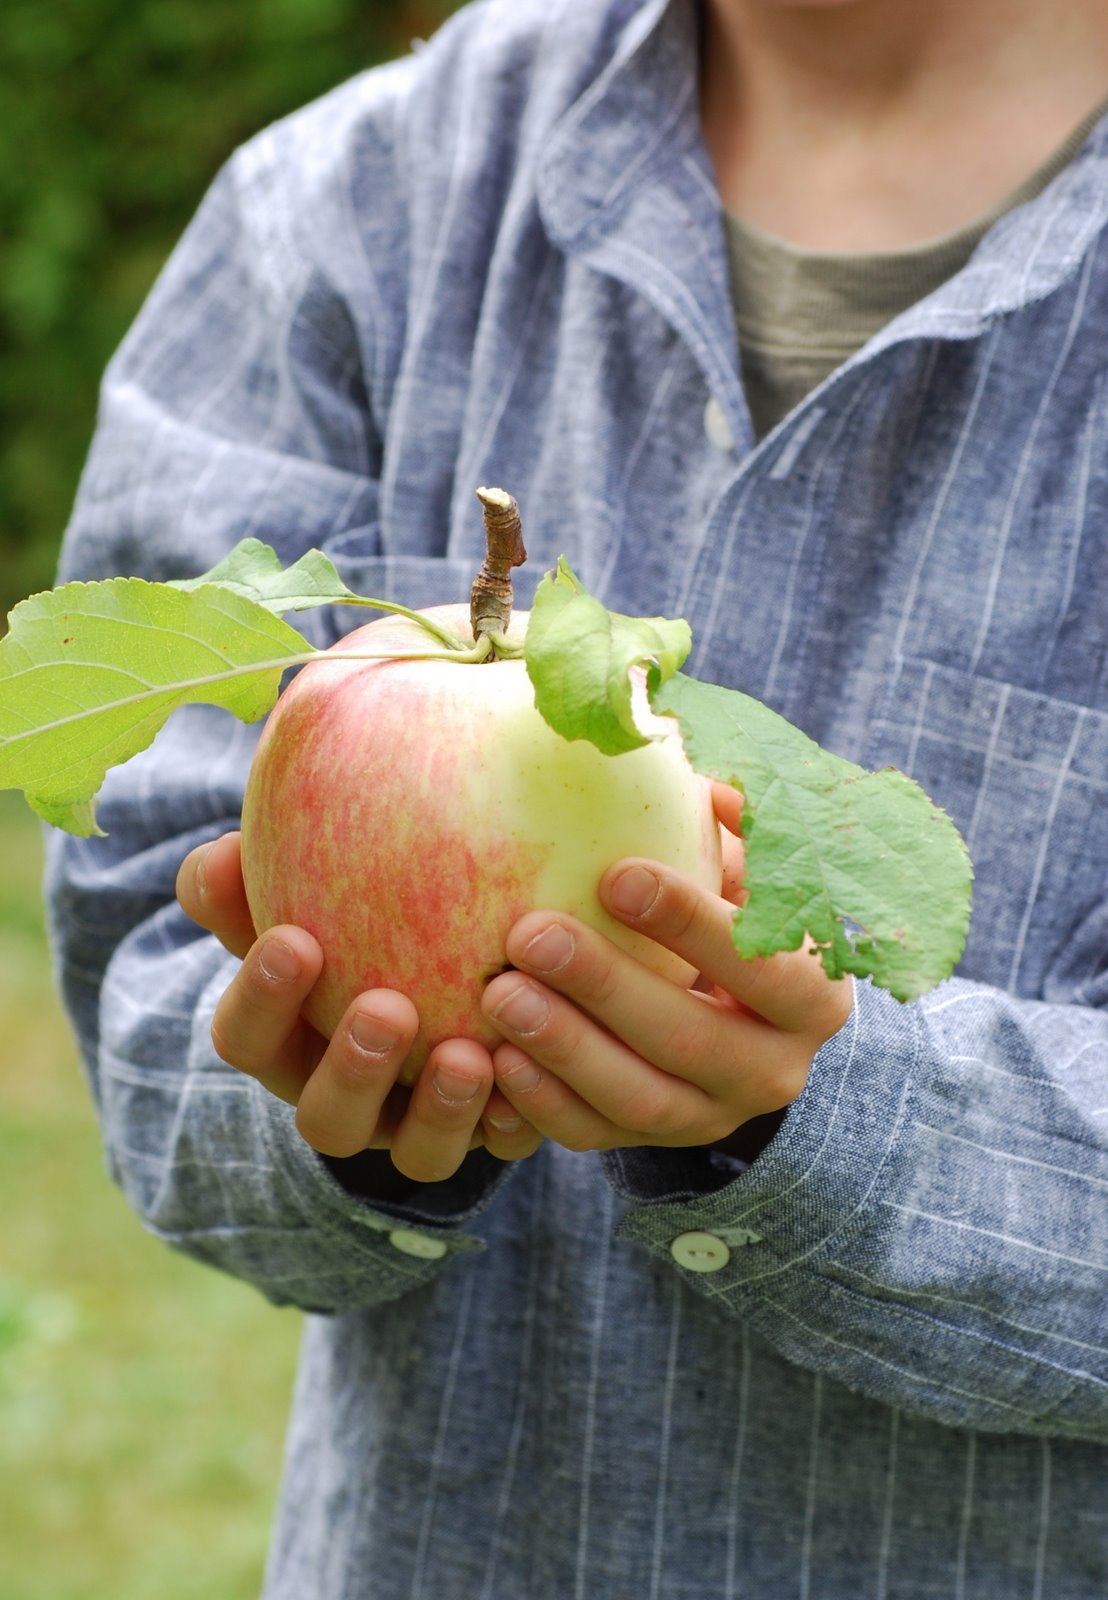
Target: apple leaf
829,844
89,672
254,570
863,864
579,658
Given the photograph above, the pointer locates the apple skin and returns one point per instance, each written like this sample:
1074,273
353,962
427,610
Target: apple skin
406,813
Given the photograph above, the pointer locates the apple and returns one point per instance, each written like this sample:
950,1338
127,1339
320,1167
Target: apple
407,812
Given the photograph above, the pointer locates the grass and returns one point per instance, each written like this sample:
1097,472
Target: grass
142,1397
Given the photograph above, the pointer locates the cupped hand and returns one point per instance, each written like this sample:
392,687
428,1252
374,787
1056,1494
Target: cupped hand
345,1089
600,1052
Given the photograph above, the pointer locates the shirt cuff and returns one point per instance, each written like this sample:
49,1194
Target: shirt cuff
824,1166
438,1211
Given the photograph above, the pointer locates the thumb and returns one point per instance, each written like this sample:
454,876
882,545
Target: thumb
210,891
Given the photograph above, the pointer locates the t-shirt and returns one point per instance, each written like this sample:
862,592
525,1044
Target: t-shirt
802,313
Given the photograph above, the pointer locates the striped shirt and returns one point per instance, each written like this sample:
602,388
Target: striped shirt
502,260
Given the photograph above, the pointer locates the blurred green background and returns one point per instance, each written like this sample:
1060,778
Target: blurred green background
142,1397
115,116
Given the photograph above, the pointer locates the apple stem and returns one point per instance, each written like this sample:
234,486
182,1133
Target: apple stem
490,603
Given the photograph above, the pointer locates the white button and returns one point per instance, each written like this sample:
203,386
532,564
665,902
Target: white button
700,1252
422,1245
717,427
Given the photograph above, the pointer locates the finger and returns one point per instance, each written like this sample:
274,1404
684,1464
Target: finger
550,1106
733,886
654,1020
346,1100
603,1052
210,891
728,804
448,1098
789,990
257,1027
507,1135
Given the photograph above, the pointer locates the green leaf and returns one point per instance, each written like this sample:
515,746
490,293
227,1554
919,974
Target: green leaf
90,672
827,844
254,570
579,658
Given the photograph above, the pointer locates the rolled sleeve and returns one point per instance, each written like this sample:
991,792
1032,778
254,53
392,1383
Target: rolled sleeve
896,1235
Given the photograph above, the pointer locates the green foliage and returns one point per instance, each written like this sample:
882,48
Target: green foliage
116,115
91,671
829,844
579,658
861,863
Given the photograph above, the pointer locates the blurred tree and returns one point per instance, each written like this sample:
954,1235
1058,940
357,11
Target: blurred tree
117,114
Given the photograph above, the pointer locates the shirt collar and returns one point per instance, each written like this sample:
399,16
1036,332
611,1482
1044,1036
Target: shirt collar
635,130
1029,253
626,184
637,114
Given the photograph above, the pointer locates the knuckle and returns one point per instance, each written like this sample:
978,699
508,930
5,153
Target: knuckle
692,1038
647,1110
781,1086
224,1045
602,981
681,912
231,1042
323,1135
562,1045
558,1039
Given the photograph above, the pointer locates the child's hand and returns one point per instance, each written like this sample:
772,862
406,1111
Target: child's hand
602,1052
345,1089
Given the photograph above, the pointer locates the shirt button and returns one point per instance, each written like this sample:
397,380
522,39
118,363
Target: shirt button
717,427
700,1252
422,1245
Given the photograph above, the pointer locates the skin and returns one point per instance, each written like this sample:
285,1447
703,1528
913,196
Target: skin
346,1090
840,125
599,1054
617,1055
878,124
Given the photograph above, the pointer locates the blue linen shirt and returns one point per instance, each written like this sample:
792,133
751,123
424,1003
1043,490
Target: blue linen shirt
501,260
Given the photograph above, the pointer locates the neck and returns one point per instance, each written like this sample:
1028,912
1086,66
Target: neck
874,123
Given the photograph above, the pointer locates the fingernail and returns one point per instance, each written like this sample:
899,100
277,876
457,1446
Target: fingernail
371,1034
524,1010
456,1091
505,1124
634,891
550,949
523,1077
200,872
279,961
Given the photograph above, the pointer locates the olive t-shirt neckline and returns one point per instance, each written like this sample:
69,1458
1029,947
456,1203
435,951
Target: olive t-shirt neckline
801,313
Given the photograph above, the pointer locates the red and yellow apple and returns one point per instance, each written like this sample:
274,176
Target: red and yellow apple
407,812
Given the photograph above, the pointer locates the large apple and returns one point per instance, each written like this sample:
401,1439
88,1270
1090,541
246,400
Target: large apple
406,812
